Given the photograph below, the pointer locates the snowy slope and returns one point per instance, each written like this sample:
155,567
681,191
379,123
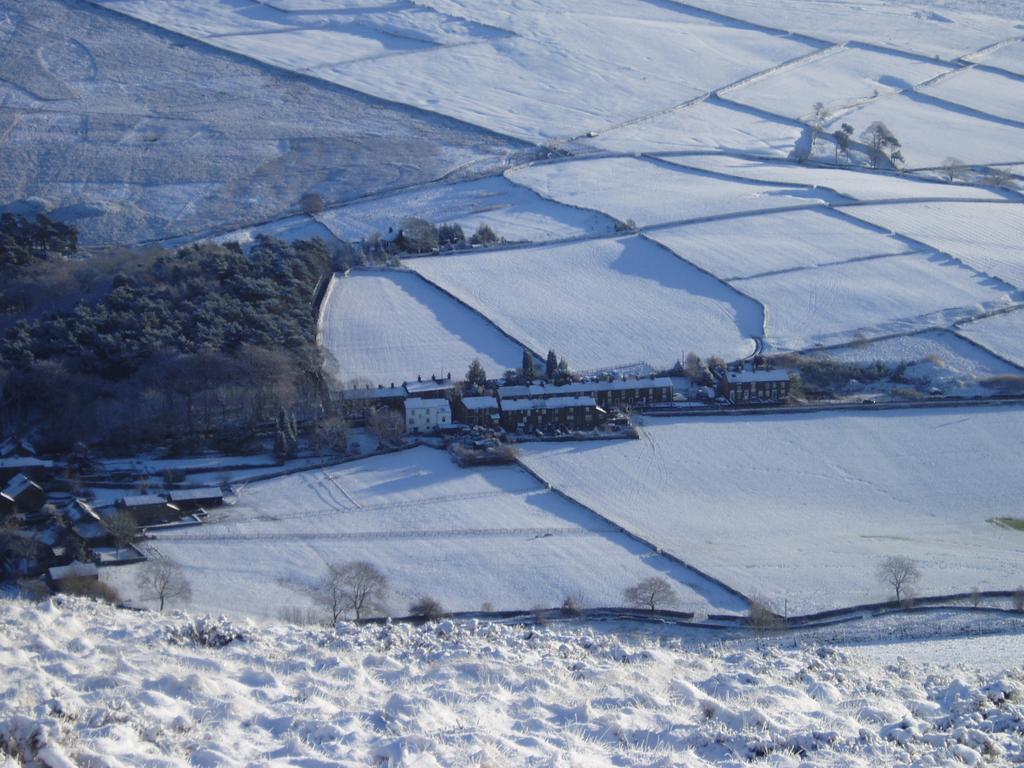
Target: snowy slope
779,241
651,192
89,685
391,326
1003,334
895,294
465,537
802,507
1009,57
601,303
513,212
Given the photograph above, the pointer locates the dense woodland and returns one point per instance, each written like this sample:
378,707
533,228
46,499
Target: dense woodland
205,345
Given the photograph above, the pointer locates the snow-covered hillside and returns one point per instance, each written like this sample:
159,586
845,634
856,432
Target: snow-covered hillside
86,684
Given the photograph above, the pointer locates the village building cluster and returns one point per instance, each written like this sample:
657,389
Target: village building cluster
440,404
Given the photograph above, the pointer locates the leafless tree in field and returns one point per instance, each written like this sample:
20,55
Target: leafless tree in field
900,573
351,587
162,579
386,425
123,529
652,593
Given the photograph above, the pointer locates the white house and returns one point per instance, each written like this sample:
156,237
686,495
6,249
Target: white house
426,415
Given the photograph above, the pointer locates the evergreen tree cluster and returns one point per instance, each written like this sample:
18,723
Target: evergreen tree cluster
24,240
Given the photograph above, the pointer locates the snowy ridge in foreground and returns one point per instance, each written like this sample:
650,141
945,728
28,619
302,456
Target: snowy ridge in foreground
84,683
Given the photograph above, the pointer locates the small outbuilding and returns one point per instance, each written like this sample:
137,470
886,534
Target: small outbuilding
191,499
22,496
148,509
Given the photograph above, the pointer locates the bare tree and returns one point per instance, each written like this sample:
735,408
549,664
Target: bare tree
386,425
123,529
356,587
900,573
311,202
954,169
763,618
161,579
650,593
693,366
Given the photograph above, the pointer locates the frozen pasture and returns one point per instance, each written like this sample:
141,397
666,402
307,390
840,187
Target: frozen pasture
880,297
564,72
390,326
708,124
942,358
986,236
945,29
464,537
800,508
133,135
775,242
513,212
601,302
856,183
932,131
89,685
1003,334
655,192
840,78
991,93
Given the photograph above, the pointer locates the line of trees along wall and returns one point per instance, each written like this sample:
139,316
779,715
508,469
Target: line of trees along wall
206,343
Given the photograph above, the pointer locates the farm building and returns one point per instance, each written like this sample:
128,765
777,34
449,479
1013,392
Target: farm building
755,386
148,509
614,393
14,447
479,411
24,465
525,415
426,415
86,523
22,495
191,499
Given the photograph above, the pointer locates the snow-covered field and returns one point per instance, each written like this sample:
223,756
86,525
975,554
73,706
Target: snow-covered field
786,240
986,236
894,294
550,80
87,684
800,508
391,326
465,537
950,29
841,78
943,358
650,192
1003,334
1009,57
602,302
856,183
513,212
705,125
991,93
932,131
